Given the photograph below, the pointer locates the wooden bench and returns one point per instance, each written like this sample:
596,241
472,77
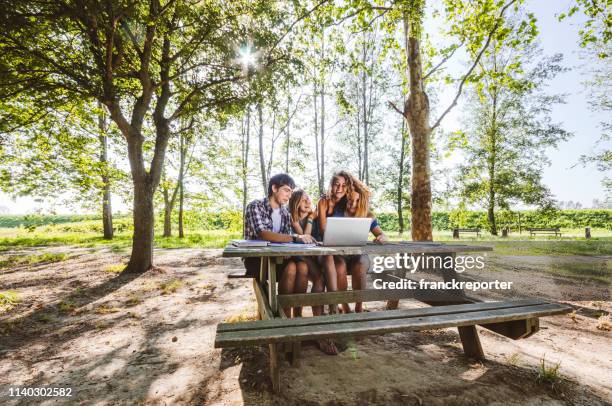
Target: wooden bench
543,230
514,319
456,231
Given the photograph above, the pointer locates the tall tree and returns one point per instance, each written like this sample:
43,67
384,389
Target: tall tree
144,62
599,90
107,211
509,129
473,25
63,153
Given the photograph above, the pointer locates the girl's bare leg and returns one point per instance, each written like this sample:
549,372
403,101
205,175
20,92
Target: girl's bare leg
359,269
342,281
287,283
301,284
331,278
318,283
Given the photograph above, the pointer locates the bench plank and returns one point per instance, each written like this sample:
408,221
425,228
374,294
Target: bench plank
301,333
380,315
367,295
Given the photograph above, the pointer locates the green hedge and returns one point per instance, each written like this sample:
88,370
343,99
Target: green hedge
474,219
37,220
232,220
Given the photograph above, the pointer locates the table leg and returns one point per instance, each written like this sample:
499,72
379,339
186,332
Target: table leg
468,334
471,342
274,368
272,293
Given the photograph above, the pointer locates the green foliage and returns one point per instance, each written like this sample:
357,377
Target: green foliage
116,268
473,219
598,24
14,260
12,221
8,300
548,374
230,220
171,286
509,128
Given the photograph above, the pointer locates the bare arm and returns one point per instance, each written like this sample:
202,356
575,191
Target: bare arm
381,237
322,209
274,237
298,228
278,237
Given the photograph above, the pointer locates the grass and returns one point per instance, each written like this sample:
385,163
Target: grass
170,286
244,315
548,374
33,259
105,309
8,300
600,272
560,247
604,323
66,306
116,268
63,234
19,238
514,359
133,300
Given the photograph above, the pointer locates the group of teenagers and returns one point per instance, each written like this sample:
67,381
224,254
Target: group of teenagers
287,214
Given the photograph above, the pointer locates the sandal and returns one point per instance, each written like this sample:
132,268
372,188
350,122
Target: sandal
327,346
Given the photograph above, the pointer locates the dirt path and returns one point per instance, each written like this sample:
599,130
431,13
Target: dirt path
149,340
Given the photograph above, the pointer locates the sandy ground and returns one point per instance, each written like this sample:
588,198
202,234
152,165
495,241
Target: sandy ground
117,339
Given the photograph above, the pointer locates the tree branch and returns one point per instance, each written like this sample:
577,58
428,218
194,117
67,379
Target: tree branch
469,72
394,107
293,24
442,62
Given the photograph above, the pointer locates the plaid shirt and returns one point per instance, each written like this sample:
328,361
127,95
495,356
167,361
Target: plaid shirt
258,218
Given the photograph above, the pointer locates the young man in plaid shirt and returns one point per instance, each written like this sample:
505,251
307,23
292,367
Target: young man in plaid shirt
269,219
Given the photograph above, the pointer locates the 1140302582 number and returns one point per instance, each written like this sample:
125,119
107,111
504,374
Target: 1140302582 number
42,391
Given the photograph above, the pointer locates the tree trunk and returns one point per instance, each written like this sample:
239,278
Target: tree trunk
107,212
364,87
245,162
262,163
184,146
491,217
141,259
416,112
359,156
492,164
400,181
288,129
145,183
180,213
322,95
316,134
167,214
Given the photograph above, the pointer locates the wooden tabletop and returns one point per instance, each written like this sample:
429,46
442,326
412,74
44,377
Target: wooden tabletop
372,249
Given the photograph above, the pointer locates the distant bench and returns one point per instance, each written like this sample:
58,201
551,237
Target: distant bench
543,230
456,231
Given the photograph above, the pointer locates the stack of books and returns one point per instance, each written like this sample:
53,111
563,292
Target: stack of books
249,243
262,243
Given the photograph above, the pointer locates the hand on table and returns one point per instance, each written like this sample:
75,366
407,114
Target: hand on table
381,239
306,239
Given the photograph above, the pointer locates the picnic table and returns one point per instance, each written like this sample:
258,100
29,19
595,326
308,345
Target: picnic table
450,308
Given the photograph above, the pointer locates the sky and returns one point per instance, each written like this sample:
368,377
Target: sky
567,179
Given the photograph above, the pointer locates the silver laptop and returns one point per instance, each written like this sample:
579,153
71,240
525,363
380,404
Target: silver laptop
347,231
